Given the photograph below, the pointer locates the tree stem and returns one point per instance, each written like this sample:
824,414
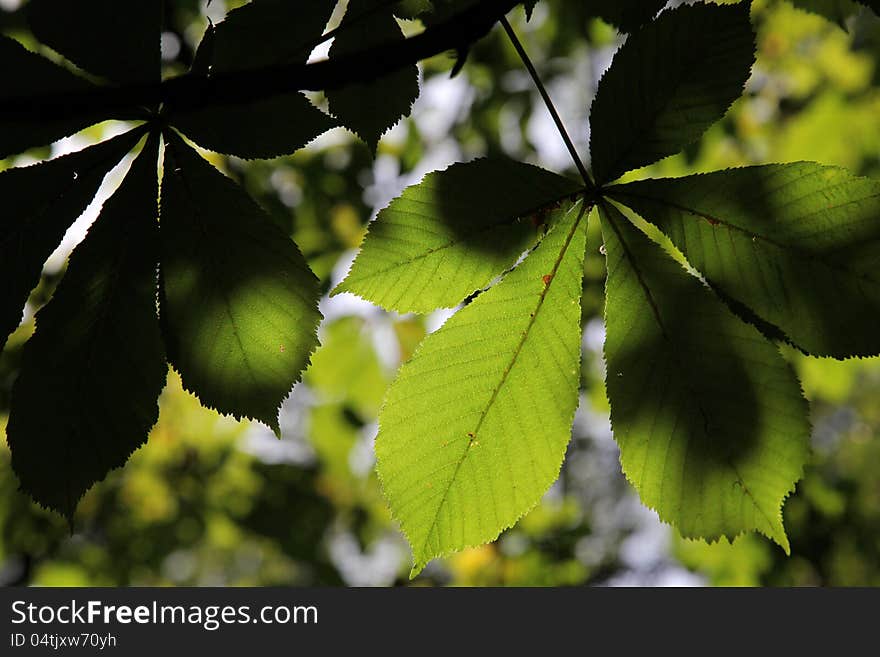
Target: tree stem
548,102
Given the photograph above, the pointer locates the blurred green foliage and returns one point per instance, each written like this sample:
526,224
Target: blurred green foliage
213,501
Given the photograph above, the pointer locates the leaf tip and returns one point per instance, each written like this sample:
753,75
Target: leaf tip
779,537
416,570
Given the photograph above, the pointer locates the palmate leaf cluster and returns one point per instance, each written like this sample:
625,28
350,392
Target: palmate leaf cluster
709,417
214,288
183,268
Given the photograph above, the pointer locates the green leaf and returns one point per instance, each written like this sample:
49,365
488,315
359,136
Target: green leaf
40,203
667,84
474,429
86,395
628,15
452,234
259,34
711,423
116,40
27,75
369,109
346,368
239,304
797,244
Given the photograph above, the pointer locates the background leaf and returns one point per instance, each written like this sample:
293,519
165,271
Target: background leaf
42,201
92,372
451,234
628,15
239,304
474,429
116,40
836,11
711,423
797,244
259,34
369,109
27,75
667,84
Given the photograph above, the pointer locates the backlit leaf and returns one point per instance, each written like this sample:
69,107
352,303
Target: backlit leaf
474,429
797,244
710,419
451,234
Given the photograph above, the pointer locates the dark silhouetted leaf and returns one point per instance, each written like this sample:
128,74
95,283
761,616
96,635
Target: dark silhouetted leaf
710,419
667,84
239,305
41,201
269,32
87,393
116,40
798,244
259,34
27,75
369,109
451,234
409,9
260,129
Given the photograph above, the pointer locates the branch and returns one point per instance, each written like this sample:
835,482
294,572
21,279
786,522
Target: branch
241,87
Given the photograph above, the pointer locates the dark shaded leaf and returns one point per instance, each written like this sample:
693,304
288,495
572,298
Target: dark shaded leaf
261,129
41,201
269,32
116,40
92,372
667,84
239,305
370,109
27,75
262,33
711,423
